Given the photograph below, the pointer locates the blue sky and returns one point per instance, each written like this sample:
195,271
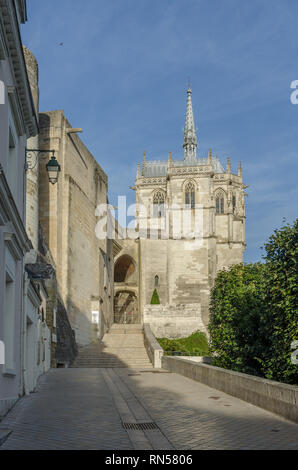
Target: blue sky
122,75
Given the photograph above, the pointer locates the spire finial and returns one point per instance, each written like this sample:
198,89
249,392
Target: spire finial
190,139
144,163
210,156
228,165
139,171
240,169
170,160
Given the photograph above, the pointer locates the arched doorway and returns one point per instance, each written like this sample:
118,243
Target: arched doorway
124,268
126,307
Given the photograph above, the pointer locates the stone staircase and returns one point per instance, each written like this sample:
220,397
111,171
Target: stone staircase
122,347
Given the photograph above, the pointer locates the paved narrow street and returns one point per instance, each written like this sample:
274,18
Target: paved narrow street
90,408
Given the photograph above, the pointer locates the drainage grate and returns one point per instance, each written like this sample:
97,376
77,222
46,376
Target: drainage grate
140,426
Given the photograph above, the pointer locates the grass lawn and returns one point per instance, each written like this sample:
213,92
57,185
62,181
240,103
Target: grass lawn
196,345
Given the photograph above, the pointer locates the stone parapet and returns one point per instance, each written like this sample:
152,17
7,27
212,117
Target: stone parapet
153,348
279,398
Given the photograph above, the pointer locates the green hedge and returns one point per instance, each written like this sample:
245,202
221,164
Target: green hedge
253,314
196,344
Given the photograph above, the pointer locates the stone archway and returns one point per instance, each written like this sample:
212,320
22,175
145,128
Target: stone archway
124,268
126,307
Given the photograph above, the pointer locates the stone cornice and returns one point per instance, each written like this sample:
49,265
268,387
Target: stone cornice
178,172
17,61
195,170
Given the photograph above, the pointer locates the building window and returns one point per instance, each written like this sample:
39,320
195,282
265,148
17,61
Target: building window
159,204
95,317
220,203
156,281
190,195
234,203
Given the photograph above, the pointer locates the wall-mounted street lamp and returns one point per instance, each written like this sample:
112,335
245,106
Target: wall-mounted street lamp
53,167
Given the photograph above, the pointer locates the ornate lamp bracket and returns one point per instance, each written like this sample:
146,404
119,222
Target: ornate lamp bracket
32,156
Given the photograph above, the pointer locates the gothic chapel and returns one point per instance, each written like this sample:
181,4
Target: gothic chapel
180,266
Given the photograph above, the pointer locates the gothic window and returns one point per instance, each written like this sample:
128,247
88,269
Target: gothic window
156,281
234,203
217,205
220,203
190,195
159,204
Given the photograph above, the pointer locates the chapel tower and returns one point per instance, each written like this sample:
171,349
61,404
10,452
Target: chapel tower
207,201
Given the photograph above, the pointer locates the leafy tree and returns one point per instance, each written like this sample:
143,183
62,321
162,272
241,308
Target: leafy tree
237,300
281,321
253,312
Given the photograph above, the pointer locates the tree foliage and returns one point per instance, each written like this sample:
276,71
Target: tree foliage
254,318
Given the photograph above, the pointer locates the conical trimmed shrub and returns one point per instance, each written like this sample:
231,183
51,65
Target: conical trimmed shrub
155,298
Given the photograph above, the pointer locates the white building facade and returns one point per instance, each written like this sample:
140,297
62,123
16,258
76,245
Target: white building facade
18,122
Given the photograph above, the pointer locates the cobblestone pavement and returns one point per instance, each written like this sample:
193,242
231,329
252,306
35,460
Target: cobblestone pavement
85,409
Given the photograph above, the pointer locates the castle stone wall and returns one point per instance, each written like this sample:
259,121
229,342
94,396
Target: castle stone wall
168,321
68,219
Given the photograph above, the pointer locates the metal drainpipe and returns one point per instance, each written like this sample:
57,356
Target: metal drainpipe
24,361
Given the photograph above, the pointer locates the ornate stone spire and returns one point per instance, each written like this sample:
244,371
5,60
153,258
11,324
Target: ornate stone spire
228,165
240,170
144,164
210,157
190,138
